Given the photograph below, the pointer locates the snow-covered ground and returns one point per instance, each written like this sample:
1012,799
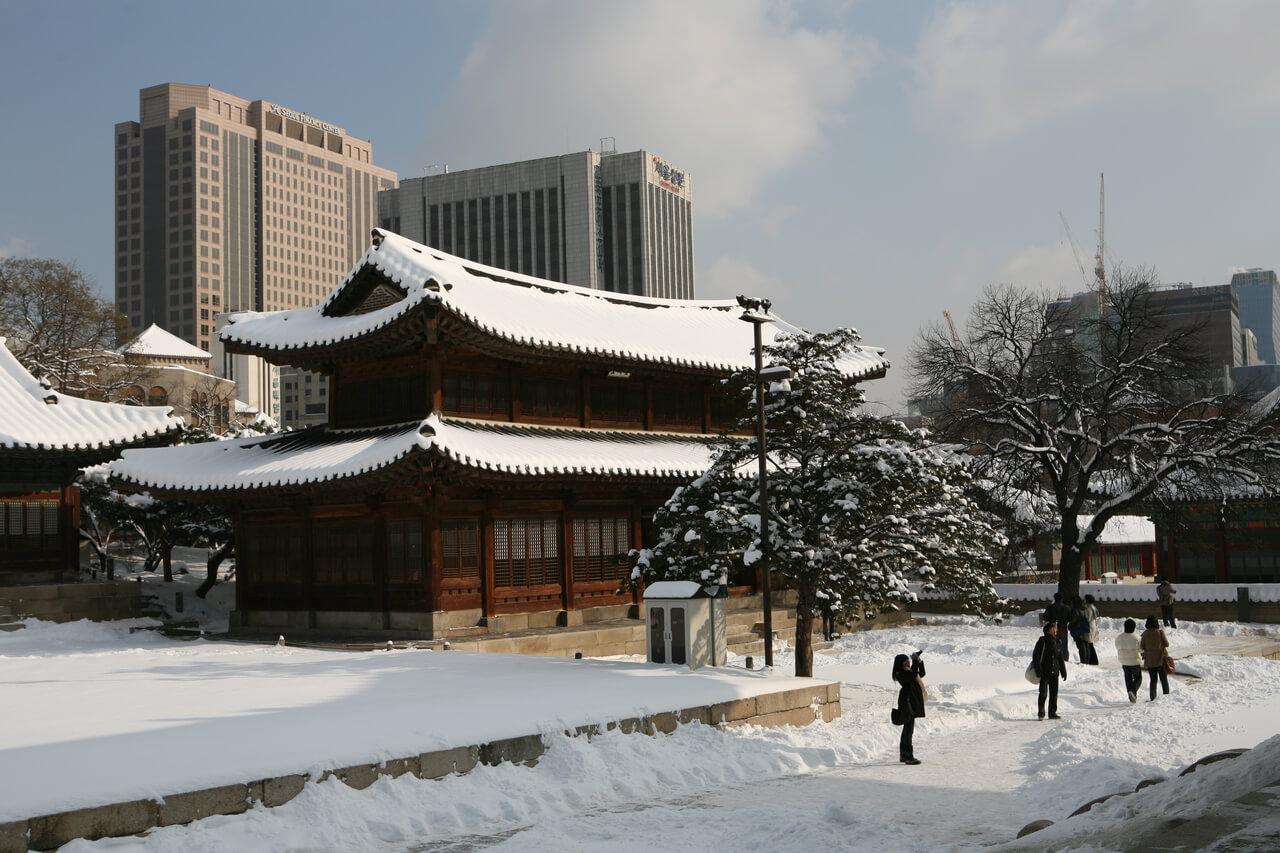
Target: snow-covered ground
80,696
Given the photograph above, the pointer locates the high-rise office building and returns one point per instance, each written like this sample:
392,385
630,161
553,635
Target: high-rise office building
225,204
617,222
1259,293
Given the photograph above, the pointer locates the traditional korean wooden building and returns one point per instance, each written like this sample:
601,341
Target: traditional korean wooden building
496,446
45,439
1235,539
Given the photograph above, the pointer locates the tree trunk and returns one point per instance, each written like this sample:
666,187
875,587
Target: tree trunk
1070,568
166,554
804,640
214,563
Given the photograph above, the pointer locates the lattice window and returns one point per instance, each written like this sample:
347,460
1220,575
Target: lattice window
343,552
28,525
526,552
461,549
600,547
549,398
404,551
677,407
474,394
270,553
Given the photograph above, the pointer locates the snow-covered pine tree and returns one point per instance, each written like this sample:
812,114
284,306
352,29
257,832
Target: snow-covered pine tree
859,505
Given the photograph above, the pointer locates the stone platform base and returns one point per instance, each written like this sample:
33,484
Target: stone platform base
799,706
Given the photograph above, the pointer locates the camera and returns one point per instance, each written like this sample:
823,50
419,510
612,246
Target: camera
917,663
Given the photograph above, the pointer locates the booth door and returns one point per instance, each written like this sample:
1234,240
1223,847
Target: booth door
668,634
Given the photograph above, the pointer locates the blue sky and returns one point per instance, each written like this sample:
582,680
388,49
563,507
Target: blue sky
867,164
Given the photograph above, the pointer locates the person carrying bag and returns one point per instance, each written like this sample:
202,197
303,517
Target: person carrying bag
908,672
1047,659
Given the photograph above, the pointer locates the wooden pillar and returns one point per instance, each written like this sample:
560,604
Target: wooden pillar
706,408
566,551
637,540
237,529
308,560
487,558
432,551
378,558
69,529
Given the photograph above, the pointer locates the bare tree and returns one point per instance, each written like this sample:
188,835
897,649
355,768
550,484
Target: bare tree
55,325
211,408
1098,404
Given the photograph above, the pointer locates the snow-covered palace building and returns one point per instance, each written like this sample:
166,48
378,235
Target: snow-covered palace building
496,445
45,439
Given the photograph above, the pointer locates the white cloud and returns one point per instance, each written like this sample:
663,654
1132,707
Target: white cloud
992,69
14,247
1050,268
729,277
731,91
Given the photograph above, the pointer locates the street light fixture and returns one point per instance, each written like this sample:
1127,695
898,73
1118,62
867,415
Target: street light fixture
756,312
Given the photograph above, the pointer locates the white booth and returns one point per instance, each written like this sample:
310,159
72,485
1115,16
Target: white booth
686,623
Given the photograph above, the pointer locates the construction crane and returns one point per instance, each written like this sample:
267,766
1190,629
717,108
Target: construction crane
1099,267
1075,251
951,324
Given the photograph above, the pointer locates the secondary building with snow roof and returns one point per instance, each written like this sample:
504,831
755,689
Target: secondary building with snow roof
497,444
45,439
157,368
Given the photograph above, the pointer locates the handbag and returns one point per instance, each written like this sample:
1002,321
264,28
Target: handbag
1031,674
895,715
1169,666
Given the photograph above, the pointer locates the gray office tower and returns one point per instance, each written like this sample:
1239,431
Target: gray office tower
616,222
1259,294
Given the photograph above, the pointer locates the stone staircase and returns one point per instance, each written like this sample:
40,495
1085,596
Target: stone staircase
744,627
8,619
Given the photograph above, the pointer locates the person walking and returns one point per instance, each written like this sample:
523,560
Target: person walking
1078,628
1091,613
1081,629
1154,645
908,671
1049,663
1128,651
1060,615
1165,592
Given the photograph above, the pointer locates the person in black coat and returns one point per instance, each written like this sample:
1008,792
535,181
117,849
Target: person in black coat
1059,614
908,671
1049,664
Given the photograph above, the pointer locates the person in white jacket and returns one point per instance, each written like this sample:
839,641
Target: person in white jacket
1130,658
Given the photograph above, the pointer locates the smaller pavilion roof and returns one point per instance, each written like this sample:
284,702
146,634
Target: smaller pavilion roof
480,448
518,310
33,417
156,343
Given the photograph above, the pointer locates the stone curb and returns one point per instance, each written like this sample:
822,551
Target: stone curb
796,706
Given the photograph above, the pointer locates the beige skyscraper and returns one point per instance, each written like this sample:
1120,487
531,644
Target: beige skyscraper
225,204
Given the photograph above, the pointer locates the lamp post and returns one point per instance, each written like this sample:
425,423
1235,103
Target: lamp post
756,312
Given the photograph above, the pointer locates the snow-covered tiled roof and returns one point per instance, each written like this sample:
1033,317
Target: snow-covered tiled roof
522,449
155,342
324,455
34,417
264,461
530,312
1124,530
